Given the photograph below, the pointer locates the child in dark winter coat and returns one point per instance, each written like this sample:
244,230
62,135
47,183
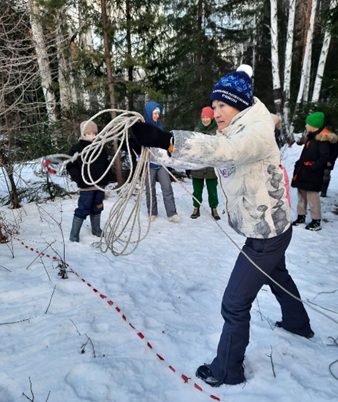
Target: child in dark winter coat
309,170
247,158
91,198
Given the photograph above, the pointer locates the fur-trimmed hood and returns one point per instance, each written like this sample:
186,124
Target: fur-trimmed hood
327,135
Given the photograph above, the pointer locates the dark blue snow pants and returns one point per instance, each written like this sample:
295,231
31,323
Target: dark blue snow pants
90,203
244,284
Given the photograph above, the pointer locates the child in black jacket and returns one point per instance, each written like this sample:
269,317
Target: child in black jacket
91,198
309,170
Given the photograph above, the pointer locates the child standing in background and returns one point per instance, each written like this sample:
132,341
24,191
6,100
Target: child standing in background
152,112
206,125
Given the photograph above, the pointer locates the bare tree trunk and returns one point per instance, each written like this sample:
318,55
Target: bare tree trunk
65,91
86,43
306,56
5,163
308,77
74,97
322,60
277,91
43,62
129,56
14,199
254,48
118,164
199,42
287,68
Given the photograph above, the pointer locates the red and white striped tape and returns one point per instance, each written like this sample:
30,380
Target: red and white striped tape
185,378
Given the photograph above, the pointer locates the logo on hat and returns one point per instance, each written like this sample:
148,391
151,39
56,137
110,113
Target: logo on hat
235,88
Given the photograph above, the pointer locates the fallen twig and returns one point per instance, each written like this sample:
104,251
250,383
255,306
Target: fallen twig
50,299
75,327
16,322
32,399
272,365
83,347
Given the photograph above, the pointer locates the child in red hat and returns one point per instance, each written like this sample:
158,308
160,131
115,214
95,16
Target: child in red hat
206,125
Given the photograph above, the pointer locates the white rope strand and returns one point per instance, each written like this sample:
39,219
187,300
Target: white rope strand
245,255
122,222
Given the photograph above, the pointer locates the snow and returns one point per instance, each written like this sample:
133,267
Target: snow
101,334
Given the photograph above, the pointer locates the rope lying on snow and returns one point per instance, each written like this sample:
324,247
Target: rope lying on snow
124,219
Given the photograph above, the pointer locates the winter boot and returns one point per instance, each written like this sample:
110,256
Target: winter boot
300,220
95,222
196,213
314,225
311,334
214,214
76,227
205,374
174,218
323,192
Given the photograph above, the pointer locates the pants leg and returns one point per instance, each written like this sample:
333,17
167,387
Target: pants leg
167,191
212,192
153,175
244,283
198,185
302,202
314,202
85,203
97,204
294,315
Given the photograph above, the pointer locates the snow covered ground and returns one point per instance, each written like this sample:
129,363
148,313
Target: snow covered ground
135,328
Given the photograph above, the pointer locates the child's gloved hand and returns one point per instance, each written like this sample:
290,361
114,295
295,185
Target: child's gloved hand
148,135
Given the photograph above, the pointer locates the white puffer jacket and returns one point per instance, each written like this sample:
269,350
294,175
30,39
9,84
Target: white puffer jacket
247,159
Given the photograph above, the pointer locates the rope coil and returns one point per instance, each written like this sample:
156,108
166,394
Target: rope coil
123,229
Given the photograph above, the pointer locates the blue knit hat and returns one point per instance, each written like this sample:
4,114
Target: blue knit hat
235,88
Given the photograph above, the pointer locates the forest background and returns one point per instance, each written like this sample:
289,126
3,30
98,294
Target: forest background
63,61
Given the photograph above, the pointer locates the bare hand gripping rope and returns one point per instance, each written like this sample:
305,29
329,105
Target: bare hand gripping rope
124,218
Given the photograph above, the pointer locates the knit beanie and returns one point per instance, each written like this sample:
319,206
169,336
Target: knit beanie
235,88
315,120
88,127
207,111
157,109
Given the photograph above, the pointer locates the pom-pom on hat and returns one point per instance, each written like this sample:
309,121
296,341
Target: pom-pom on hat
207,111
235,88
315,120
88,127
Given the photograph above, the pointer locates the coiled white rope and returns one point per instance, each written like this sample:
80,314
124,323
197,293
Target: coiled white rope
124,228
